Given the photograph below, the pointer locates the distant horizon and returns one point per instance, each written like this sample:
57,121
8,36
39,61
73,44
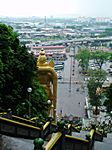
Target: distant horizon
56,8
58,16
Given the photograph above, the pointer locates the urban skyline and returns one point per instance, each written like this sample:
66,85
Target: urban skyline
56,8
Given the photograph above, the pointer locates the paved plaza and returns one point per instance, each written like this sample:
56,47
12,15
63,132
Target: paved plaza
71,96
70,103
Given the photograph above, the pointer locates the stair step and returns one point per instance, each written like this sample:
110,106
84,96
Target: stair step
105,145
102,146
108,139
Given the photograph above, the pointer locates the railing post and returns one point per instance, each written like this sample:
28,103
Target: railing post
62,128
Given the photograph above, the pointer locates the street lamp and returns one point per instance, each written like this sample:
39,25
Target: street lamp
71,122
52,111
49,109
85,108
29,90
49,101
70,73
111,114
96,110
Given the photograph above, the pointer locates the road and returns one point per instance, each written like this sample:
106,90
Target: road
69,100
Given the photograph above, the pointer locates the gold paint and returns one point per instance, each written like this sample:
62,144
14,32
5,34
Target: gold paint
46,125
19,123
48,78
92,133
22,118
53,141
75,138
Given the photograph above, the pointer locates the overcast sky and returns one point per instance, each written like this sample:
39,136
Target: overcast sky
18,8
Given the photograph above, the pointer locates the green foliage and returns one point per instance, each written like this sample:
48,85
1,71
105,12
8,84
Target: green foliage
100,57
96,80
107,32
94,98
108,101
39,100
97,75
17,73
57,27
110,57
110,45
88,136
83,57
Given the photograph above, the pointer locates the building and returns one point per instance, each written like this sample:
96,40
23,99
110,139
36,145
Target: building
52,52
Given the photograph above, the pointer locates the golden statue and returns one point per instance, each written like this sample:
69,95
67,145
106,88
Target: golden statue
48,78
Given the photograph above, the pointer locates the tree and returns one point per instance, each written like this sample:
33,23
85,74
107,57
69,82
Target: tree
100,57
96,80
110,58
110,45
108,101
83,57
17,73
107,32
38,102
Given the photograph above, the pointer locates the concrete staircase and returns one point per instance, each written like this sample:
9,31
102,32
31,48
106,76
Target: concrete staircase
105,145
11,143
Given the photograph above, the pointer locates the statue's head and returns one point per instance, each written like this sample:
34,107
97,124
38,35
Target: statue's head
42,60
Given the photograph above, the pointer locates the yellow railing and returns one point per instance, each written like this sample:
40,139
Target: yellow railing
69,126
19,123
77,128
53,141
92,133
34,118
22,119
3,113
100,132
46,125
75,138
